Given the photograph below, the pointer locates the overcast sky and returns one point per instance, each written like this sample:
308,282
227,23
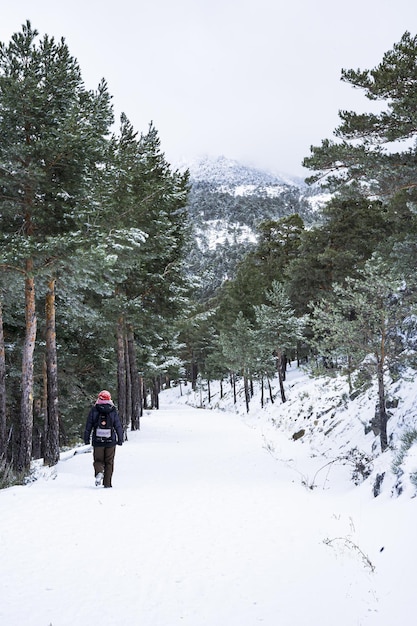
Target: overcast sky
252,80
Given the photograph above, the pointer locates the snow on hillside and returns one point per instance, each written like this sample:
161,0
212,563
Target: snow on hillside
230,177
248,190
226,176
219,232
231,174
219,517
318,200
319,416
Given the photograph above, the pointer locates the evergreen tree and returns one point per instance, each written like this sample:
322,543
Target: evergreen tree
352,228
278,244
365,150
51,453
198,339
52,133
363,318
239,349
3,431
279,328
145,202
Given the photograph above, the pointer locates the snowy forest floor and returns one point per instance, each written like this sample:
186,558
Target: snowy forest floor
204,527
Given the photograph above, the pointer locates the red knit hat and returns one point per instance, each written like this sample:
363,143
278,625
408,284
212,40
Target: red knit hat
104,396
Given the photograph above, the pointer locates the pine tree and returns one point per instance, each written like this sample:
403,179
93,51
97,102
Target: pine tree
352,227
3,440
53,133
279,328
366,147
277,245
363,318
239,349
51,453
198,339
145,204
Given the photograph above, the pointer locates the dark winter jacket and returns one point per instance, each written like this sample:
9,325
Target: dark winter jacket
92,422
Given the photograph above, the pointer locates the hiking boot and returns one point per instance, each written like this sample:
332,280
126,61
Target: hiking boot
99,479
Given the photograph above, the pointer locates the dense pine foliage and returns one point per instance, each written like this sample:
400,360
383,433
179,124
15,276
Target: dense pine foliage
108,279
92,237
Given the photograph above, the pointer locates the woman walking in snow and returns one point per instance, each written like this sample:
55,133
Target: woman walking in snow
104,422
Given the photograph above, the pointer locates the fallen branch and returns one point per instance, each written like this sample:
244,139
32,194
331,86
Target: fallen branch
350,544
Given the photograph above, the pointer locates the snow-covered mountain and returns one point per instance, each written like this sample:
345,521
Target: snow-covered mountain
231,174
227,202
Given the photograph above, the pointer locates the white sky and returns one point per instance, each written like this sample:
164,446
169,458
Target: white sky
253,80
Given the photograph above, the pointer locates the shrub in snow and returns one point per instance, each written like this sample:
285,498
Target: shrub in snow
7,477
361,464
378,484
404,465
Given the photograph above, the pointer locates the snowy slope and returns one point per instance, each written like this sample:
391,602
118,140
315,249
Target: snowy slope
331,429
231,173
227,202
237,179
209,523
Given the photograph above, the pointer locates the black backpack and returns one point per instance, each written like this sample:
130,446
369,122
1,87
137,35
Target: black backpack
104,427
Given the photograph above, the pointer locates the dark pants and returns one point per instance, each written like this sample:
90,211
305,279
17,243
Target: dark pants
104,462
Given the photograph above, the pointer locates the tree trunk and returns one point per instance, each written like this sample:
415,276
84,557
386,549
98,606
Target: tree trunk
51,454
3,439
383,418
155,393
141,393
39,426
145,394
194,374
128,417
284,366
280,377
233,381
262,392
271,395
349,373
247,392
26,407
135,381
121,372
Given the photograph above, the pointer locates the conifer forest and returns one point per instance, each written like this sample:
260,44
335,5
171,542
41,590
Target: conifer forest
100,287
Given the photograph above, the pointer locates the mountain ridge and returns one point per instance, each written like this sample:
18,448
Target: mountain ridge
223,170
227,202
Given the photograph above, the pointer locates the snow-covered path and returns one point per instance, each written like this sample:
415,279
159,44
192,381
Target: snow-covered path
202,528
